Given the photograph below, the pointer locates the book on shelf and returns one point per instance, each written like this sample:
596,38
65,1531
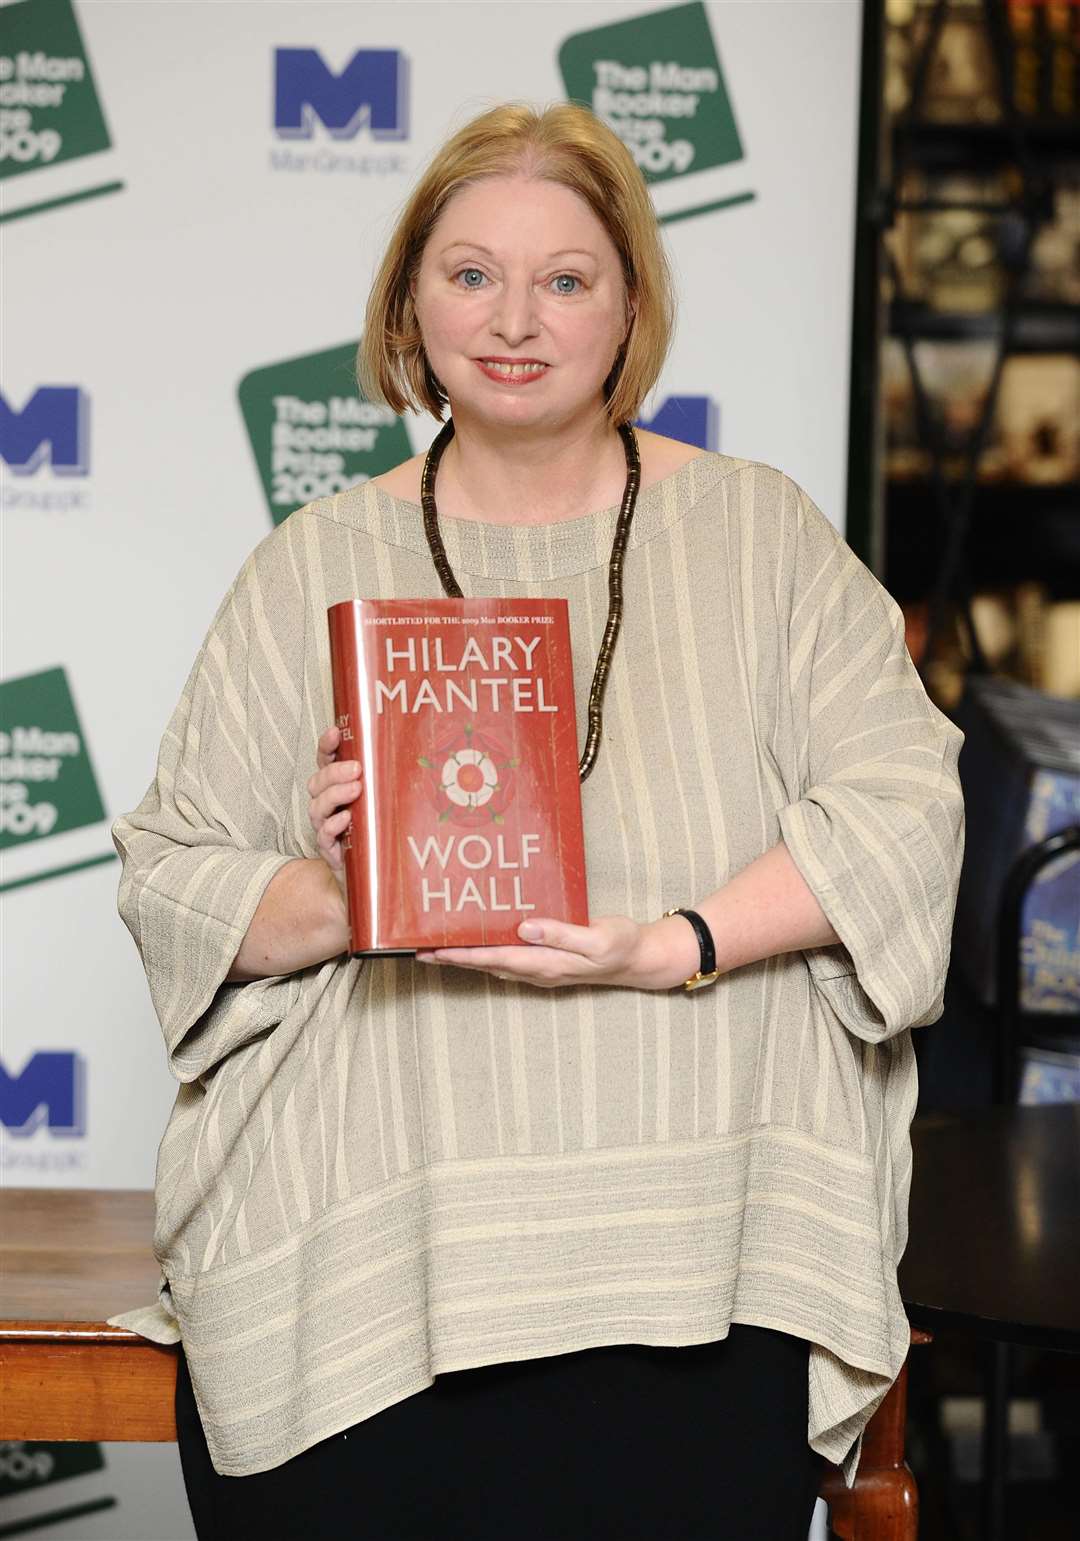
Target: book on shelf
461,714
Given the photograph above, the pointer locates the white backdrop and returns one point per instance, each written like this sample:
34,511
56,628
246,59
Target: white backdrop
188,256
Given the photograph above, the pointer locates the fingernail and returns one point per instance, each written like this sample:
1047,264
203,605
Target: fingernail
529,931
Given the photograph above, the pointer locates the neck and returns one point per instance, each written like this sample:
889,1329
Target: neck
514,476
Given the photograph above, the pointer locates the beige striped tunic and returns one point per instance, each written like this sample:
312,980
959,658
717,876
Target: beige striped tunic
376,1171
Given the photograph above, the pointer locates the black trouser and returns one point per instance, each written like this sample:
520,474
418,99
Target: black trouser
619,1442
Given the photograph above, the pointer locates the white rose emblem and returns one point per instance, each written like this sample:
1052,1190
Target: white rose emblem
469,778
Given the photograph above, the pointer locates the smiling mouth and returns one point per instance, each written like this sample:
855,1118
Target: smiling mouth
513,369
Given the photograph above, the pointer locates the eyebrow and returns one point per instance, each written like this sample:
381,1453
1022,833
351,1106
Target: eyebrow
570,251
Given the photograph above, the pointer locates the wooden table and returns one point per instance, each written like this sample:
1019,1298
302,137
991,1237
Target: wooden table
70,1257
994,1248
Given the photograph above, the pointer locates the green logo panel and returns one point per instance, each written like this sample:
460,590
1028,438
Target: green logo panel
656,80
311,431
49,108
32,1464
47,783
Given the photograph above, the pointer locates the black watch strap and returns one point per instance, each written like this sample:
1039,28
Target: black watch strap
708,969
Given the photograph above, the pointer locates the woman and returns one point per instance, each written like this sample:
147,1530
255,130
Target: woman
531,1239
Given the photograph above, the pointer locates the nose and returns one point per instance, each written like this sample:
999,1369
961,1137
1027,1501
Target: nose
515,316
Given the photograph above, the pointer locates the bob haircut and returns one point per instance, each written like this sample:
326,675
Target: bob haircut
566,144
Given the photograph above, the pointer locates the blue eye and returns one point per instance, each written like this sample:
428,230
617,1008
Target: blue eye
464,273
572,280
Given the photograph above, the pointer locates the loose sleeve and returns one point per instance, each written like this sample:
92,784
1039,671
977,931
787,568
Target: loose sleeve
200,849
878,830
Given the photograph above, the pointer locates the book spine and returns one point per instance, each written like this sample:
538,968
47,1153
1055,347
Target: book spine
359,848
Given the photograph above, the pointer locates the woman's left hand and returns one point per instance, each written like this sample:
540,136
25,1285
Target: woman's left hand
612,950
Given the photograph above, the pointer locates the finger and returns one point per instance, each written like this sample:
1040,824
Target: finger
491,973
472,957
333,774
330,833
328,744
327,806
344,794
337,822
331,828
329,837
328,766
332,854
586,941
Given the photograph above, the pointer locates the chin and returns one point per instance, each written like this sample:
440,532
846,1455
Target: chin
519,407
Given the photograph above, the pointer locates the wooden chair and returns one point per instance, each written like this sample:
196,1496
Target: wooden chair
70,1257
884,1503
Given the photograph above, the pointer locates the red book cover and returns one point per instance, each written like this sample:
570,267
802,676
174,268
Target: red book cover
461,713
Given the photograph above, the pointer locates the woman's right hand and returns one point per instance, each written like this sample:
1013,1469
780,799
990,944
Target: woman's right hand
333,788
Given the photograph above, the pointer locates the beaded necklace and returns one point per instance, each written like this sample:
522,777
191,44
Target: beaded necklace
615,566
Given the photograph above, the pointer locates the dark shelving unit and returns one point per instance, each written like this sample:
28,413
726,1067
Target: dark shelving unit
1052,142
941,536
1021,529
944,538
1041,326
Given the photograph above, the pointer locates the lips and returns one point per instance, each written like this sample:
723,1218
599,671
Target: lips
512,371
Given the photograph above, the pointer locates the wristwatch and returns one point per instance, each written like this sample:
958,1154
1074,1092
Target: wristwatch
708,972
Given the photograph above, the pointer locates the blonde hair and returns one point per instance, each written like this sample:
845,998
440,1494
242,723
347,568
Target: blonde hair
566,144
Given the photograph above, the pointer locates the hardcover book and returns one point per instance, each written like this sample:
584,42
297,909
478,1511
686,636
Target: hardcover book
461,714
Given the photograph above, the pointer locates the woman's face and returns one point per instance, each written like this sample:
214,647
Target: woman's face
521,270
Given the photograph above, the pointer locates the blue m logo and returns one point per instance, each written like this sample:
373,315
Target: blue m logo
52,429
372,92
693,419
51,1091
